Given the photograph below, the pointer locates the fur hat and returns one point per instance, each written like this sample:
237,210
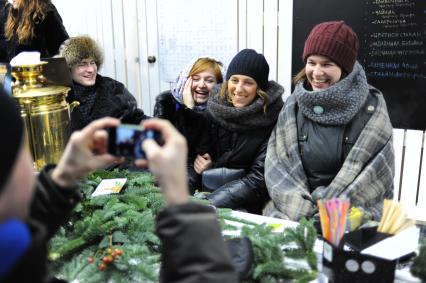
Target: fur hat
76,49
336,40
250,63
12,133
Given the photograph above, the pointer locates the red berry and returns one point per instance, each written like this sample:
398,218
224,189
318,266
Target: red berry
101,267
90,260
113,254
106,260
119,252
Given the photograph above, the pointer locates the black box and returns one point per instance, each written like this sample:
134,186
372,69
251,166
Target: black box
341,265
352,266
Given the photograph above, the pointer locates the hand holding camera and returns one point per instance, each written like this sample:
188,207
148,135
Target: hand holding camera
86,151
157,145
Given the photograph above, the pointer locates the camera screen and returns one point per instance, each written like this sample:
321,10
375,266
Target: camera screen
128,141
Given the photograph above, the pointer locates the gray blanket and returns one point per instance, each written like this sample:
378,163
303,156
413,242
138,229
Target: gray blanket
366,176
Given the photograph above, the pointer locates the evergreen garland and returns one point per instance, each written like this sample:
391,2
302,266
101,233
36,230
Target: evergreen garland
83,250
418,268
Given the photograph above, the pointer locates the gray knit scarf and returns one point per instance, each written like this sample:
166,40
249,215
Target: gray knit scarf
340,101
250,117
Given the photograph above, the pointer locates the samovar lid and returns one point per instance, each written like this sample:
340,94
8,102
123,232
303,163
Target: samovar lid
42,91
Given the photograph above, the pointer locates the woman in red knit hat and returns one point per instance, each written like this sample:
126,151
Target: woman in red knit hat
333,137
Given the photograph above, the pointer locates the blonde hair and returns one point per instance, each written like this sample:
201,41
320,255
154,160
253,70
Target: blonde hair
21,21
205,63
224,94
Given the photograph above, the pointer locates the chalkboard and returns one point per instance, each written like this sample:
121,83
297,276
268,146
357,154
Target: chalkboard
392,36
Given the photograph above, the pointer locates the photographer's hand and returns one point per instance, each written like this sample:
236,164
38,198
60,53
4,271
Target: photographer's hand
86,151
168,162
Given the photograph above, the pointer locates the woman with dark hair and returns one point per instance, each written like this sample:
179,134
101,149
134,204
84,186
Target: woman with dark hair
241,118
31,25
333,137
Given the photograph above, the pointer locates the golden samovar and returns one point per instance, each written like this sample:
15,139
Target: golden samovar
45,112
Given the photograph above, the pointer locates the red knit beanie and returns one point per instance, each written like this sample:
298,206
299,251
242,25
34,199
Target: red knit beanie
335,40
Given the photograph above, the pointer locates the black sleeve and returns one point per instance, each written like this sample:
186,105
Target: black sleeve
165,106
57,33
193,249
52,205
130,113
247,190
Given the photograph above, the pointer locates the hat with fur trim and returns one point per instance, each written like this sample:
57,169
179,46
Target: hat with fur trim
76,49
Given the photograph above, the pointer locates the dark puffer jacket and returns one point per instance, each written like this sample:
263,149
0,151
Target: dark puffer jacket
245,150
49,33
112,100
242,149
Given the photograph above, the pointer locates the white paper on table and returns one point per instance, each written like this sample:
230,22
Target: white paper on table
401,244
109,186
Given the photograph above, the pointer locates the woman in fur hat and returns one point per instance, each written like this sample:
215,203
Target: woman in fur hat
333,137
187,101
31,25
99,96
241,118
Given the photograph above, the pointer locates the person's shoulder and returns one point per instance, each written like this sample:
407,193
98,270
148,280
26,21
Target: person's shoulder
104,80
165,96
50,9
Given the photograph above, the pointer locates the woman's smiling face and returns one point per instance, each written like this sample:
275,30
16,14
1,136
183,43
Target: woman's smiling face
242,90
202,85
322,72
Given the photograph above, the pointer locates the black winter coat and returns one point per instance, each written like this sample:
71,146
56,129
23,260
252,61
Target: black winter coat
4,9
242,150
50,33
112,100
193,249
189,123
51,208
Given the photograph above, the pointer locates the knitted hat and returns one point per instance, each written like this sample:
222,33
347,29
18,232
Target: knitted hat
335,40
12,132
250,63
79,48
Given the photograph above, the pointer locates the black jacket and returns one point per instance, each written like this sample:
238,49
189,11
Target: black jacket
112,100
315,139
240,150
4,9
189,123
51,207
192,246
49,33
